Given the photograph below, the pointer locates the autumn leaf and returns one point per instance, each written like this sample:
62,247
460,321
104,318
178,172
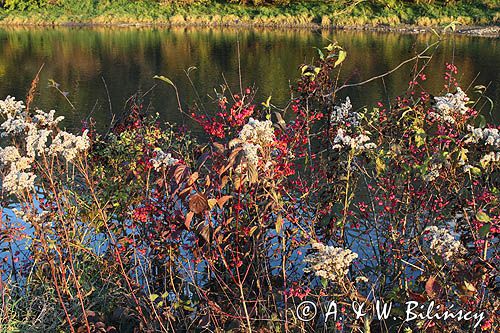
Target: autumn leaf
431,287
189,218
198,203
222,200
193,178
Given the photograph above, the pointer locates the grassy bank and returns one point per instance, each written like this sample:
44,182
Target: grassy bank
209,12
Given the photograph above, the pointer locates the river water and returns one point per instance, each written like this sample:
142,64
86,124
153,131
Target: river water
92,64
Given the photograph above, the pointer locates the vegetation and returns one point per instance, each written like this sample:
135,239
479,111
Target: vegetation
252,12
147,228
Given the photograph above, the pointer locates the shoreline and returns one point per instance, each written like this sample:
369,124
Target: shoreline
488,31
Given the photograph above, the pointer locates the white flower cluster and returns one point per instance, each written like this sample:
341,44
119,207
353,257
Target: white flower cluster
251,152
343,114
491,157
69,145
17,180
10,107
360,142
331,263
444,244
449,105
255,135
257,132
162,160
36,131
490,136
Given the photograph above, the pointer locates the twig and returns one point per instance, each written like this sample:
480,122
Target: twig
418,56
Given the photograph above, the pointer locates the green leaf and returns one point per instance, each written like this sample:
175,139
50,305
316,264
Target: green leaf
475,171
482,217
164,79
321,54
341,58
324,282
484,230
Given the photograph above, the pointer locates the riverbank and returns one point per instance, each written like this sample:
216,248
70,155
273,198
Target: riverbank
364,15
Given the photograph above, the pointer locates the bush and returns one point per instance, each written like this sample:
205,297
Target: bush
147,228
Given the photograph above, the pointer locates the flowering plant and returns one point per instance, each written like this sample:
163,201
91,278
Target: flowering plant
148,228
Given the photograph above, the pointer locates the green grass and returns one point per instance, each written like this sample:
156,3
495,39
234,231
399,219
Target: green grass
210,12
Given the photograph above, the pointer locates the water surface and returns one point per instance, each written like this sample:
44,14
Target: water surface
93,64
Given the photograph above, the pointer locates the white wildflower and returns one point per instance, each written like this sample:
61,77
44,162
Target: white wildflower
491,157
45,119
343,114
468,167
13,126
10,107
162,160
36,141
17,182
443,243
331,263
490,136
10,156
69,145
450,105
251,152
360,142
258,132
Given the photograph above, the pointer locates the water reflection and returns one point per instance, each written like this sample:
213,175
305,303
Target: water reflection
126,59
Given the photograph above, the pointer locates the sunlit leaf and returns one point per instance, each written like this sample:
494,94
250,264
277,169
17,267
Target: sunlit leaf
341,58
279,223
189,218
164,79
482,217
267,103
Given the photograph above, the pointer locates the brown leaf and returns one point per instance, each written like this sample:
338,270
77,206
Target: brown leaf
185,191
224,181
432,287
189,218
223,200
253,175
179,173
198,203
193,178
416,297
205,233
220,148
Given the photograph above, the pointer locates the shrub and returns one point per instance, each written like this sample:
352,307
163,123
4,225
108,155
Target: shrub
147,228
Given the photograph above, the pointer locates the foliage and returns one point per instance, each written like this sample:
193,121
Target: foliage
146,228
252,12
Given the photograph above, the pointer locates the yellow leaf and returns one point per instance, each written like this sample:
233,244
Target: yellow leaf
212,203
